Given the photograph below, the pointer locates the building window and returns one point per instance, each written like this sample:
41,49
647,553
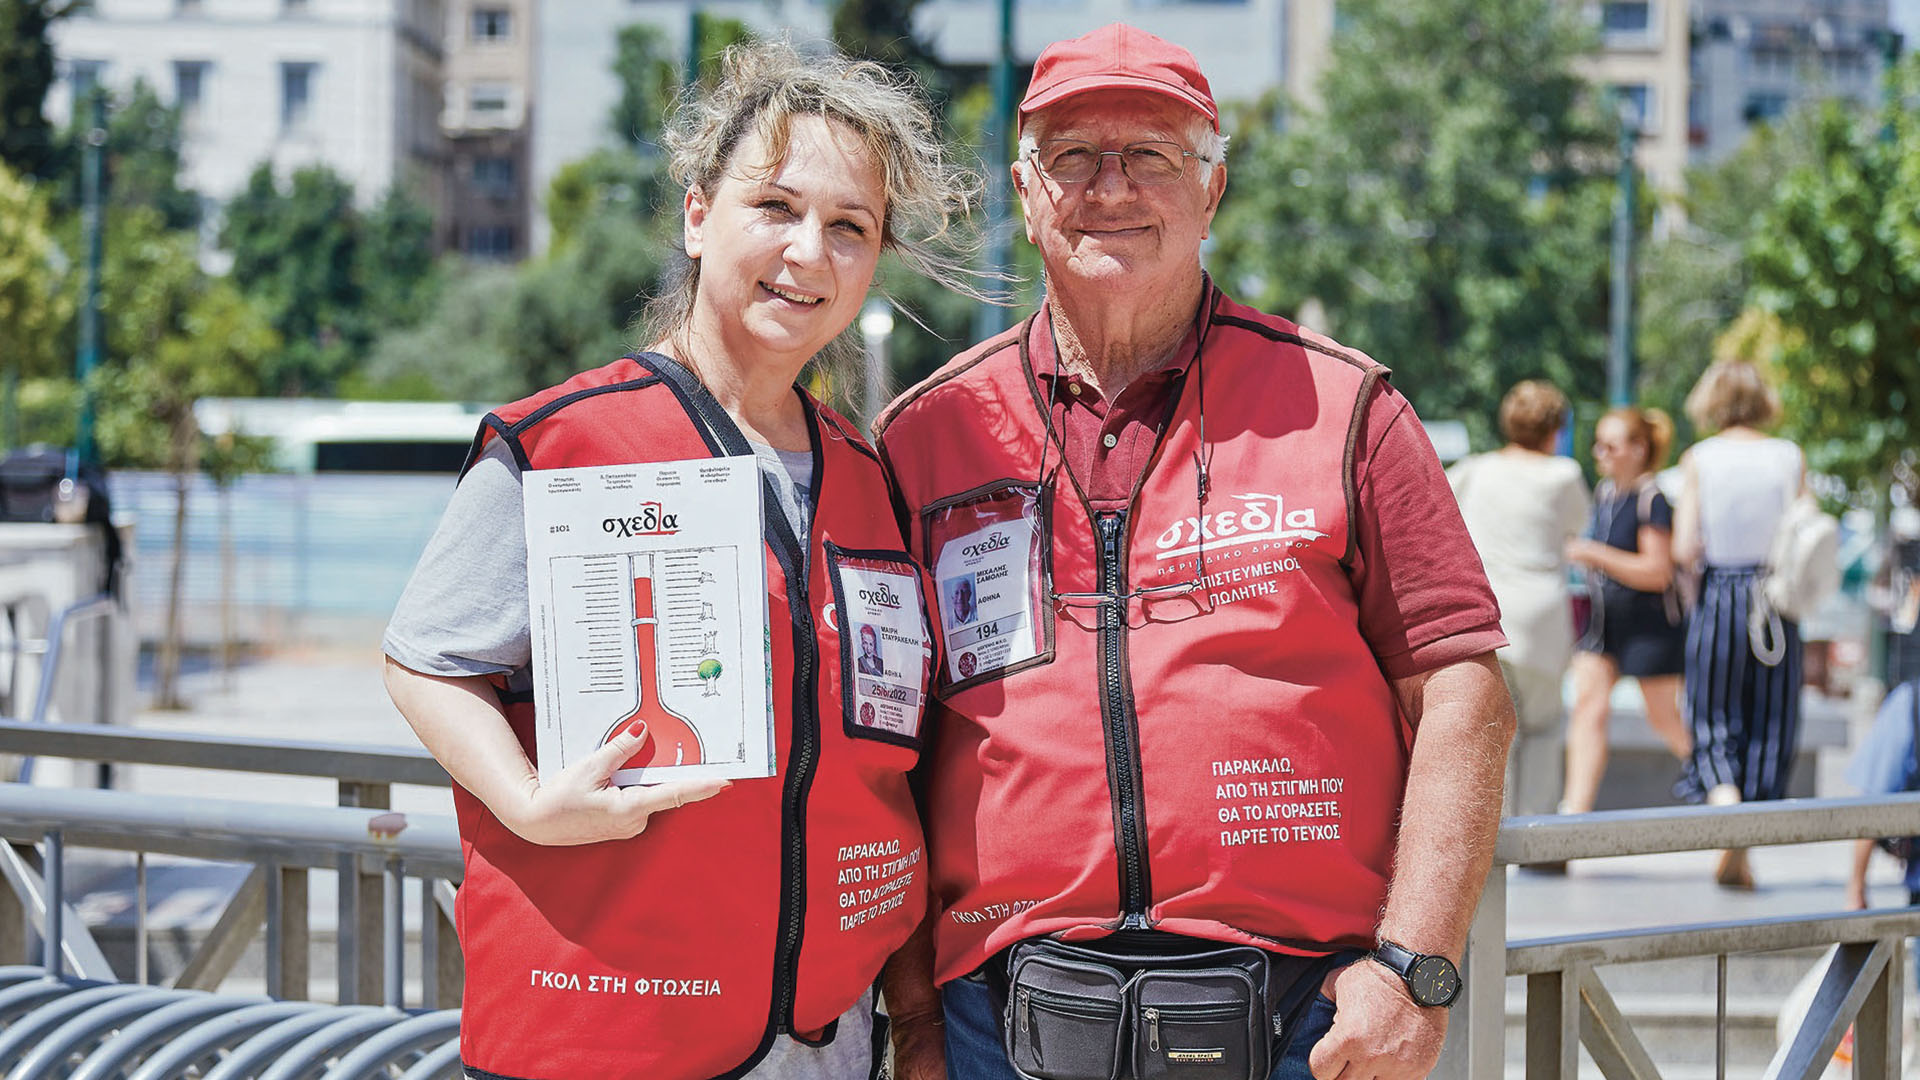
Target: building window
493,175
189,84
492,24
488,101
296,94
490,242
1626,19
1764,107
1636,103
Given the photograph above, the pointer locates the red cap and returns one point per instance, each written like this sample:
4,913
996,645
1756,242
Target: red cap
1118,57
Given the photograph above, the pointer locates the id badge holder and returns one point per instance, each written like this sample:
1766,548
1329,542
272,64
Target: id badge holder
886,659
985,548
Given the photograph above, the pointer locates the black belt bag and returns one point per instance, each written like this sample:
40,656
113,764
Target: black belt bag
1153,1006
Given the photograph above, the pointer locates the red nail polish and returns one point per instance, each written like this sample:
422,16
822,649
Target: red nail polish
638,727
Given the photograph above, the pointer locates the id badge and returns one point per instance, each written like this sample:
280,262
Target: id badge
986,550
886,651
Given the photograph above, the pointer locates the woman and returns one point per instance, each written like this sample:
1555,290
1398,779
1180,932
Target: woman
700,928
1745,714
1522,503
1635,627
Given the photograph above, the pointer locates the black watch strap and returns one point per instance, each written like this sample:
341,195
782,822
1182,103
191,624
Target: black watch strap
1432,981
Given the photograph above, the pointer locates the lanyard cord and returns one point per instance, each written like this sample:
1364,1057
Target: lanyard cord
1202,458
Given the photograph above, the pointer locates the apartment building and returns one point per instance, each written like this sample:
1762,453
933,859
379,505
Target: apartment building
487,119
1643,58
1755,59
351,84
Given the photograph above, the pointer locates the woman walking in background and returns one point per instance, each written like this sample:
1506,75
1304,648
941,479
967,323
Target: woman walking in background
1522,503
1636,627
1745,714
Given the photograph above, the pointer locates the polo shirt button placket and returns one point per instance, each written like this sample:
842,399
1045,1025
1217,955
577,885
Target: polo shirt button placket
1110,440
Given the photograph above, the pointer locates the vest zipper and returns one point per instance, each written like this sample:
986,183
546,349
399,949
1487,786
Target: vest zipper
1116,707
800,763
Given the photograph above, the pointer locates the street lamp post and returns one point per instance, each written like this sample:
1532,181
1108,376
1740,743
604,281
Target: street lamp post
876,328
1620,343
989,319
92,175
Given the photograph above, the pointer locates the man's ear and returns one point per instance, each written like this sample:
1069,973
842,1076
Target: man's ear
1020,185
1216,188
693,221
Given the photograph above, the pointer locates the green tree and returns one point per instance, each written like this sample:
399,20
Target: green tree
34,305
143,158
579,307
606,181
295,252
1836,260
651,75
394,265
26,71
1448,203
883,30
649,81
1693,282
218,349
457,352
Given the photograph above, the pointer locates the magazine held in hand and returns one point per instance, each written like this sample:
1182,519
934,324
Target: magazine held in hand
649,602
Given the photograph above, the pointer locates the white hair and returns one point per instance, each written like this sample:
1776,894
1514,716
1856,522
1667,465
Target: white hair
1209,146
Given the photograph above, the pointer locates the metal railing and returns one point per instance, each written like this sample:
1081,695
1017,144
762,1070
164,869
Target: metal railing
282,842
1567,1004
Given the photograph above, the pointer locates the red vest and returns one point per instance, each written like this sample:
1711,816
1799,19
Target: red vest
767,909
1226,760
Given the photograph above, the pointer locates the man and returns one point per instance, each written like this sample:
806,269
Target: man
1229,679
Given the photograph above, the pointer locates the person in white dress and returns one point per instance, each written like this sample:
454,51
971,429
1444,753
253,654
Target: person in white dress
1522,503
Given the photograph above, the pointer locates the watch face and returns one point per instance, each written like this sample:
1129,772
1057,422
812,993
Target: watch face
1434,981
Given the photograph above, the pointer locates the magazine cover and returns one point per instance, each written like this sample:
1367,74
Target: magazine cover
648,594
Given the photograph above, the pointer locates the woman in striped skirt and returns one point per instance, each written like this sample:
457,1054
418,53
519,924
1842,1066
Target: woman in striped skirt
1745,713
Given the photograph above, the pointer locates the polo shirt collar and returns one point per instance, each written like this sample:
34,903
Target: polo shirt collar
1044,354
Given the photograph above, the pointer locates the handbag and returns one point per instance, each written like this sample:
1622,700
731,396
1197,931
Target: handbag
1153,1006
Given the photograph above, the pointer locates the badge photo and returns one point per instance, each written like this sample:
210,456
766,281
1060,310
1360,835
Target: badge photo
886,653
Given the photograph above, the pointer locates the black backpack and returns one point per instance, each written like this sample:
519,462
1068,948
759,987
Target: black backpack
30,482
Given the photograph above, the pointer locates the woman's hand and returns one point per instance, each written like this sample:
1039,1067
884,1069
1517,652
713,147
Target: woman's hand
1580,550
582,806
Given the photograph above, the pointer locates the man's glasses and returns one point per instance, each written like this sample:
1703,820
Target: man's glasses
1150,603
1070,161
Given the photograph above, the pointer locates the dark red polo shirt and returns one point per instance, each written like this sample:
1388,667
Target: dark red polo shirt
1417,610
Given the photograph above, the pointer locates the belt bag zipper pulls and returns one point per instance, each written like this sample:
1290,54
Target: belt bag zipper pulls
1026,1012
1152,1017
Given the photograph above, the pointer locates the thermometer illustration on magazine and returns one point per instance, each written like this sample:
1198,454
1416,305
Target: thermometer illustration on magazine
671,738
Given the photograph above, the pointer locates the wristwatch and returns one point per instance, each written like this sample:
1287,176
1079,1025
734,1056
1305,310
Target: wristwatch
1432,981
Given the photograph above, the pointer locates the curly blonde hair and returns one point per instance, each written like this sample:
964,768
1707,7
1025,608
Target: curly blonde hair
762,86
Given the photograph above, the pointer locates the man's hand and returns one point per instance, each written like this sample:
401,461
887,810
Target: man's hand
919,1048
581,805
913,1008
1378,1032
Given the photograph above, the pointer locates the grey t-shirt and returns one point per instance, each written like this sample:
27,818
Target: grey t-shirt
465,609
